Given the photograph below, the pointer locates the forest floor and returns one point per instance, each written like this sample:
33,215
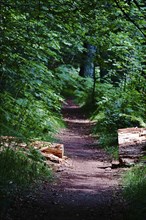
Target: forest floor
85,187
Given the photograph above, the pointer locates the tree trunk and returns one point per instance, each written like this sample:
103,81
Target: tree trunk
87,68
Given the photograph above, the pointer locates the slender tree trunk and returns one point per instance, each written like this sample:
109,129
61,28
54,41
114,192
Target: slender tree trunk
94,86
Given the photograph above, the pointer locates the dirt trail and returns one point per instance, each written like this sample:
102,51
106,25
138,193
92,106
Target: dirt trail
89,169
86,186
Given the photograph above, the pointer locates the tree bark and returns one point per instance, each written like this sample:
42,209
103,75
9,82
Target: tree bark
87,68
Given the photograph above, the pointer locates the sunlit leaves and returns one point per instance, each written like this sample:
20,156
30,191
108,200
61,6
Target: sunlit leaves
42,39
30,101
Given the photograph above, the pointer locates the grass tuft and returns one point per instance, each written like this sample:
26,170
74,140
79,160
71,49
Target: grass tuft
134,182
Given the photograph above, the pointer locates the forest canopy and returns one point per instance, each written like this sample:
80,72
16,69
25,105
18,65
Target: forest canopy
94,49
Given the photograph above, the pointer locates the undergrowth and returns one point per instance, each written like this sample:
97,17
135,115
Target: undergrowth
134,182
114,107
20,170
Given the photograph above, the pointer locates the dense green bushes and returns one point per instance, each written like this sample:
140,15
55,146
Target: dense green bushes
68,79
19,168
35,112
114,108
30,95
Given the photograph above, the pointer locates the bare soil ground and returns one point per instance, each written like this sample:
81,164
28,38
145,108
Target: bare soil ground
86,187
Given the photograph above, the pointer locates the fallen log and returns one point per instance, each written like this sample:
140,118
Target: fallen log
49,148
52,157
132,145
53,152
55,149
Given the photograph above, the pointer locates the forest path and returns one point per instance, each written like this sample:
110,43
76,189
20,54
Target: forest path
89,167
86,187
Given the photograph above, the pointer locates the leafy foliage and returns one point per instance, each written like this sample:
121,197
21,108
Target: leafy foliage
83,92
114,108
68,79
46,43
30,95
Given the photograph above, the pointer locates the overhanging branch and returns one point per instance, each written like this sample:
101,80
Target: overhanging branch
130,19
